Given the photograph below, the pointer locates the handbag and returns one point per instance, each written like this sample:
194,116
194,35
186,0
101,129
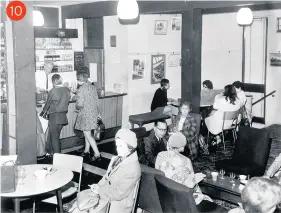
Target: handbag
45,115
245,121
99,133
87,199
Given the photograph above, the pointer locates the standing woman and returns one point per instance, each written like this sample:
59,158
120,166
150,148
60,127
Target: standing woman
87,105
57,107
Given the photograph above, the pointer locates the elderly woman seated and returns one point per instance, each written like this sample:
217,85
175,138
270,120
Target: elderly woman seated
225,102
117,185
260,195
178,167
186,124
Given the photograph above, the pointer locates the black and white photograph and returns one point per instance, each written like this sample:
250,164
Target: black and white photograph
158,68
176,23
161,27
275,59
138,68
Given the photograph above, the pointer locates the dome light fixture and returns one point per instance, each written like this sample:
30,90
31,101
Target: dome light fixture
127,9
38,18
245,16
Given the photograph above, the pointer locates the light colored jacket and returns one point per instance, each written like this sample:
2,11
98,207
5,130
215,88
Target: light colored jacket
119,186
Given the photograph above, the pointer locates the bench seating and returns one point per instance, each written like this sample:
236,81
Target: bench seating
146,118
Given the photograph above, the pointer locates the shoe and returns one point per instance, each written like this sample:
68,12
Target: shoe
96,158
85,154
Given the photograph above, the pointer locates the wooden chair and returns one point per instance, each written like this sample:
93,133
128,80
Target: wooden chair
75,164
228,116
135,196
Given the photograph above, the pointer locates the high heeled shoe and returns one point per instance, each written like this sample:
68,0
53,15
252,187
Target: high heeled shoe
96,158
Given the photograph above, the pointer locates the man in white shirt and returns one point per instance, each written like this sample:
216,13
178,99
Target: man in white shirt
240,93
41,77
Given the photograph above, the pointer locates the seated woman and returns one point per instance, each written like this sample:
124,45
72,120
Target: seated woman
225,102
117,185
178,167
260,195
187,126
240,93
160,101
207,94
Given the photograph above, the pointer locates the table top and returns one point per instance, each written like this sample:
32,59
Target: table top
32,186
223,184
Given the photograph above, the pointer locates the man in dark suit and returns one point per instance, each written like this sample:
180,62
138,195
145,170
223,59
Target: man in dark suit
156,142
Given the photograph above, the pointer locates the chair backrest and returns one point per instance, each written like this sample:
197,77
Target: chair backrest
72,162
174,197
140,134
230,116
148,195
197,118
135,196
252,146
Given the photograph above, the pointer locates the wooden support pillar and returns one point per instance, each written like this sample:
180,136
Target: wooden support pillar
21,87
191,57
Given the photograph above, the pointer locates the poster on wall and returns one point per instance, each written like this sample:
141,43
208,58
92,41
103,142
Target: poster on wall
275,59
176,23
174,60
138,67
158,68
161,27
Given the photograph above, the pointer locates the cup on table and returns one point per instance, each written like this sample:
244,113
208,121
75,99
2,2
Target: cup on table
41,174
214,175
242,177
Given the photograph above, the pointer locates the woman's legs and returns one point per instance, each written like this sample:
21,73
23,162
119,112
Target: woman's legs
92,142
87,146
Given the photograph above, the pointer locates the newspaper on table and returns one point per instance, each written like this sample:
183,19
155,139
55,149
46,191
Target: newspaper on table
8,160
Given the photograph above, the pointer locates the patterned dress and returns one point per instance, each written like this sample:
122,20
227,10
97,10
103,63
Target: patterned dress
179,168
189,130
88,105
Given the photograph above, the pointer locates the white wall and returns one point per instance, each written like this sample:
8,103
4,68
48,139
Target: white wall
139,40
222,55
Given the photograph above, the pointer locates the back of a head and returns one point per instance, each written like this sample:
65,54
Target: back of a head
260,195
56,79
238,84
230,93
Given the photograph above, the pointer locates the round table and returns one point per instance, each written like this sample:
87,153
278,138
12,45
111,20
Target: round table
32,186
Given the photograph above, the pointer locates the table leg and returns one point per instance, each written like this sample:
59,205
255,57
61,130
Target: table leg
17,205
59,200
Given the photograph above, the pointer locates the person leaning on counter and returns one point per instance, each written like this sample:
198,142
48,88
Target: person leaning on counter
57,107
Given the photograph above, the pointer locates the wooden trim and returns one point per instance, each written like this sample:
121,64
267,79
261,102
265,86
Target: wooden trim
258,88
253,7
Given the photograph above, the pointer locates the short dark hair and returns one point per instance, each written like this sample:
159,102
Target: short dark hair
208,84
56,79
82,76
160,121
164,82
238,84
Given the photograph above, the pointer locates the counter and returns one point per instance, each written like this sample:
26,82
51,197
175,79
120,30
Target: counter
111,105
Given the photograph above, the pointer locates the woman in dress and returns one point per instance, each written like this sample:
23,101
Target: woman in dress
186,124
118,184
225,102
87,105
178,167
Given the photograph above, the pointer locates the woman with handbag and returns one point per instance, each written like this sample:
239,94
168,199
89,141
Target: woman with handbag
55,110
118,184
87,104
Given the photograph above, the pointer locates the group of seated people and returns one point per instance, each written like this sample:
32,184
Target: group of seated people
260,195
215,103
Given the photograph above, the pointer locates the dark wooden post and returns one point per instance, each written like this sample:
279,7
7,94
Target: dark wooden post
191,56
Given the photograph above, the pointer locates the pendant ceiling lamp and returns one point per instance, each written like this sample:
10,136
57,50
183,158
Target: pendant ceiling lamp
127,9
245,16
38,18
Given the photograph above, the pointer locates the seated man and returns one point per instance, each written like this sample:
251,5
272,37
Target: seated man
156,142
160,101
